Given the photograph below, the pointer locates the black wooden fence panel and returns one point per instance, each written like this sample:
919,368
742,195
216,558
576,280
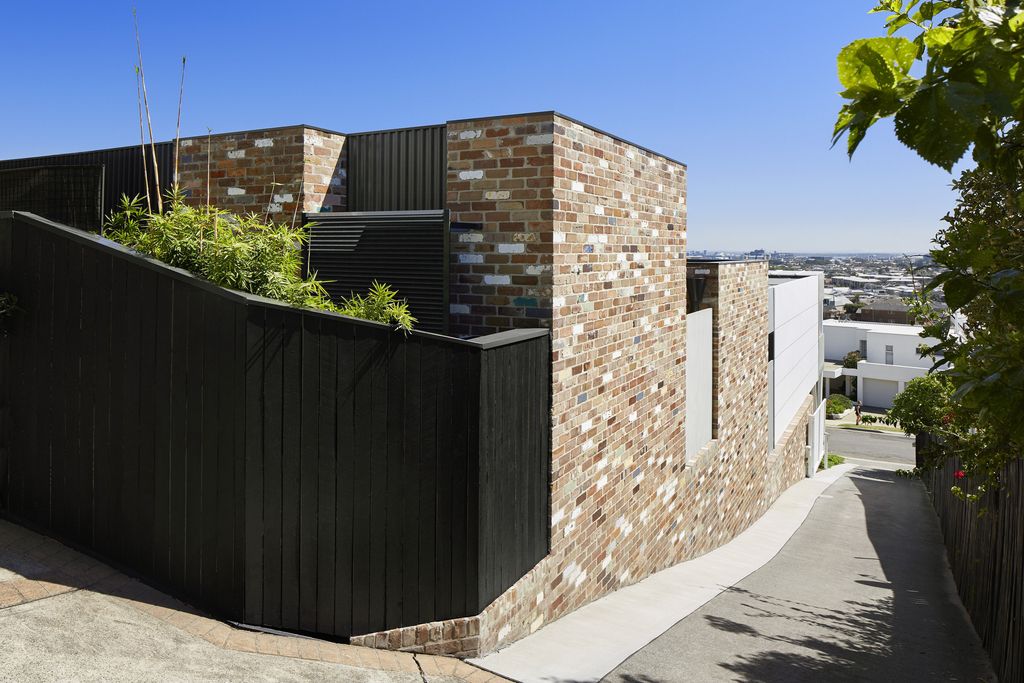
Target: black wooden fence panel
986,554
277,466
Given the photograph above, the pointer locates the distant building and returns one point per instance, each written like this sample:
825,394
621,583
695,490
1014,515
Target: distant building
886,309
889,358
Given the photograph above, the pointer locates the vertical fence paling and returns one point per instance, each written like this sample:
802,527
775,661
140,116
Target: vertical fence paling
986,555
277,466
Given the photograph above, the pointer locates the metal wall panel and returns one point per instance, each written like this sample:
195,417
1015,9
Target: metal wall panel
405,249
72,195
122,170
398,170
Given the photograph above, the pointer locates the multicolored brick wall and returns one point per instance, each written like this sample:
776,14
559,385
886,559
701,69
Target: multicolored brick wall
500,177
274,172
581,232
613,252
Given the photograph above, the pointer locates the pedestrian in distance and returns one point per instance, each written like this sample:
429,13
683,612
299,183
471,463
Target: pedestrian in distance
856,410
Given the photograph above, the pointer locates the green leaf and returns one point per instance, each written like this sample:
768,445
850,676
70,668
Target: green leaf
1016,22
875,63
938,37
938,280
960,291
930,126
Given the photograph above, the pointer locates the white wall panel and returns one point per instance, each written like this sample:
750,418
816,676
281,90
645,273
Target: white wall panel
698,381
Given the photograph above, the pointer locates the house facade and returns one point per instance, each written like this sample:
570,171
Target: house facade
889,358
683,394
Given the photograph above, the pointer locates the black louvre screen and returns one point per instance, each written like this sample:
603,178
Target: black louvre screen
405,249
72,195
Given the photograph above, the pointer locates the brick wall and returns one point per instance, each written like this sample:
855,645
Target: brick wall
500,175
610,256
586,234
273,172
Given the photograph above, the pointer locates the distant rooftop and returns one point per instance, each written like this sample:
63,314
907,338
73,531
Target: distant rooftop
888,328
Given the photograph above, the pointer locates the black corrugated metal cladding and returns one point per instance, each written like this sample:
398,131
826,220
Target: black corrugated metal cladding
122,169
397,170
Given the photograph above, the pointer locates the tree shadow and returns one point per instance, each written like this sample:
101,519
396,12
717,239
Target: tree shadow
915,630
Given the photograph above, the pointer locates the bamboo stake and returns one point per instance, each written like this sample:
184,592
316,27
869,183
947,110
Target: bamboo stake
177,128
142,137
149,119
209,153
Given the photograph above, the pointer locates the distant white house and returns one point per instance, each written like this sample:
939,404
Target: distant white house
889,358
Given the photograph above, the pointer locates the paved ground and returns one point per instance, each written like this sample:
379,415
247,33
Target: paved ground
872,447
862,592
64,616
585,645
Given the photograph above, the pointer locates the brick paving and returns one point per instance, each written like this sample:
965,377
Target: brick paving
34,567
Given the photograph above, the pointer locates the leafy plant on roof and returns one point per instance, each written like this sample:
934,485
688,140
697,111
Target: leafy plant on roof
243,253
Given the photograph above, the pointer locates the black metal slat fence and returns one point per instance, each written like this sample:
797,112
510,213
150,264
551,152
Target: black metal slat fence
986,554
405,249
278,466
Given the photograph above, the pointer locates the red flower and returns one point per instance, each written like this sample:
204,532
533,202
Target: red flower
959,474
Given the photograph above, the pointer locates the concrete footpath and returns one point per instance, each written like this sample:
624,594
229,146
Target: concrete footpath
862,592
588,643
65,616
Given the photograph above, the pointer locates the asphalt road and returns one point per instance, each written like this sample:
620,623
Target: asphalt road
862,592
872,447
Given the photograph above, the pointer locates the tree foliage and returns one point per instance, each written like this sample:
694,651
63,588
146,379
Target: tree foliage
971,91
837,404
956,84
243,253
924,406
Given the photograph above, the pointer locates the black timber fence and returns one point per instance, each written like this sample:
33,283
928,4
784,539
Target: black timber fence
276,466
122,171
986,554
405,249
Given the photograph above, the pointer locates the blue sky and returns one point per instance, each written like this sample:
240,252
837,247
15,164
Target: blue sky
743,92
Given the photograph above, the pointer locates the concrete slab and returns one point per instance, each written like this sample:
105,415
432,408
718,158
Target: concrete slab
589,643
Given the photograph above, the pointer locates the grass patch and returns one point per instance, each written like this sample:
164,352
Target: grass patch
833,460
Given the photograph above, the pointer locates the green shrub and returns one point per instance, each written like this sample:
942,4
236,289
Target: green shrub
924,405
837,404
851,359
243,253
382,304
833,460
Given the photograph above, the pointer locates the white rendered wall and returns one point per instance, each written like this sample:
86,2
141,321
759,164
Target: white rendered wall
698,381
795,313
904,346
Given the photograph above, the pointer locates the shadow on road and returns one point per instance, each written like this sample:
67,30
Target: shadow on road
915,630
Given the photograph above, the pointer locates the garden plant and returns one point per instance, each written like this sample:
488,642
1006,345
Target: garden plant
951,75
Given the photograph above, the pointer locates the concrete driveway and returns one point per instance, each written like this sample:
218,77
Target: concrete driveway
875,448
67,617
862,592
